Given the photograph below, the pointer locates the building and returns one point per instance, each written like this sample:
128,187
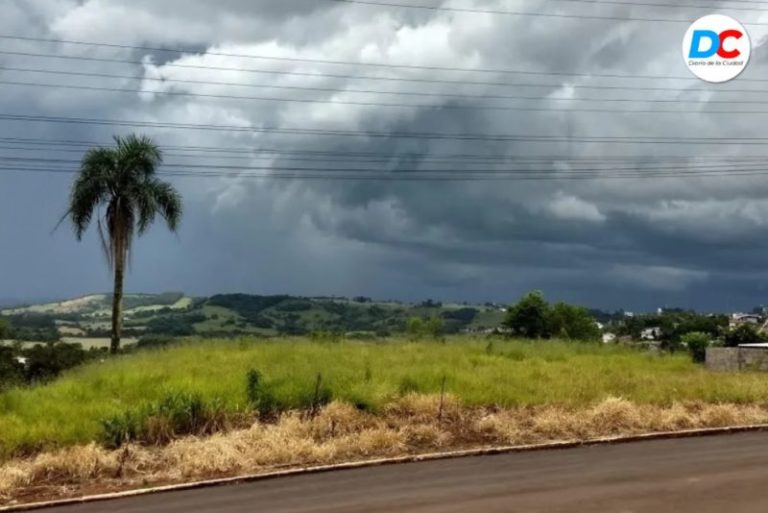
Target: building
739,319
651,333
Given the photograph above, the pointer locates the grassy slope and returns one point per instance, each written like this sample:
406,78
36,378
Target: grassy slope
323,315
514,373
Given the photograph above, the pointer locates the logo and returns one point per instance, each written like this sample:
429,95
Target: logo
716,48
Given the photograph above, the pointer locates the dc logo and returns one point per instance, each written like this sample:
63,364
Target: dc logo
716,48
716,44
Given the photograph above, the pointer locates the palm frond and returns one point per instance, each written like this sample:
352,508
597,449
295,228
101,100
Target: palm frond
92,187
168,202
138,155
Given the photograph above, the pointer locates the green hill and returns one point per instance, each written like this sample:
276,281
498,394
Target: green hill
86,319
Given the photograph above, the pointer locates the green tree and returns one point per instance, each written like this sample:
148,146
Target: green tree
434,327
123,180
4,331
697,343
529,318
419,328
572,322
415,328
744,334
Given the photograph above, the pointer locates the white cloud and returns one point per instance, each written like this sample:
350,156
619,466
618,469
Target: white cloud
571,208
547,228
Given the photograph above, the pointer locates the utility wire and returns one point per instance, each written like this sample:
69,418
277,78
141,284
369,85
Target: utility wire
719,89
471,160
241,153
762,5
438,106
453,171
520,13
375,134
163,80
402,177
356,63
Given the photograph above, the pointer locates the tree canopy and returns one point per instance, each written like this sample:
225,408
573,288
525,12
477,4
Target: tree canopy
533,317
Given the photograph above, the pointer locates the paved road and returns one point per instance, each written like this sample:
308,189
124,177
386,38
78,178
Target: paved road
704,475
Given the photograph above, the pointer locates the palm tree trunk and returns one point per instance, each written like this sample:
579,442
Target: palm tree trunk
117,307
117,295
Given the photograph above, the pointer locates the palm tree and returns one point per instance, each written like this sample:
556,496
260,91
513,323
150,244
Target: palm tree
123,180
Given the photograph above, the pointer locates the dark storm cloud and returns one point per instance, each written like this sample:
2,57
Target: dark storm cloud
608,243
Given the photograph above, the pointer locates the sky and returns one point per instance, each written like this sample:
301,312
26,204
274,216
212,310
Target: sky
638,242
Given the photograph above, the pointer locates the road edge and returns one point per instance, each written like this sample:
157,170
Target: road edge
436,456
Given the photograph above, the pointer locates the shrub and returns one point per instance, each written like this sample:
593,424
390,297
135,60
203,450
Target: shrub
259,396
173,416
11,371
697,344
419,329
45,362
121,429
744,334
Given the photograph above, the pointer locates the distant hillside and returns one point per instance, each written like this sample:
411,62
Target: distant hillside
174,314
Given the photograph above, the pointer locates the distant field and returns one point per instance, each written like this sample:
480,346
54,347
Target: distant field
87,343
61,307
369,375
97,343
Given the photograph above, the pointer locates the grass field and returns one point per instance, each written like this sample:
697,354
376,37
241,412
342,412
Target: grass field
370,375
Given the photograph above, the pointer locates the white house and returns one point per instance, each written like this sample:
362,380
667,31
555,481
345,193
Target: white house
651,334
739,319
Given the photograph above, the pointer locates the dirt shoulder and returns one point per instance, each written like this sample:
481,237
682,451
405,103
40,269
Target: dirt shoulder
340,433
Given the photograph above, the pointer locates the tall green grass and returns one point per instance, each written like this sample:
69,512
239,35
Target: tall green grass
74,408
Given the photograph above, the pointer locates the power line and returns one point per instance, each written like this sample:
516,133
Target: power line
436,106
376,78
374,134
762,8
342,158
218,152
335,90
356,63
451,171
396,178
519,13
761,3
163,80
440,106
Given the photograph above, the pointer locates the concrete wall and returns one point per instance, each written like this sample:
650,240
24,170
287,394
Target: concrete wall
732,359
753,359
723,359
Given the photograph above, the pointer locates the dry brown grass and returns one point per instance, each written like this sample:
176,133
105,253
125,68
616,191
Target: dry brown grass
342,433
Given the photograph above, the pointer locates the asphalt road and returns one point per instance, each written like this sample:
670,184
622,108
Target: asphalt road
702,475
